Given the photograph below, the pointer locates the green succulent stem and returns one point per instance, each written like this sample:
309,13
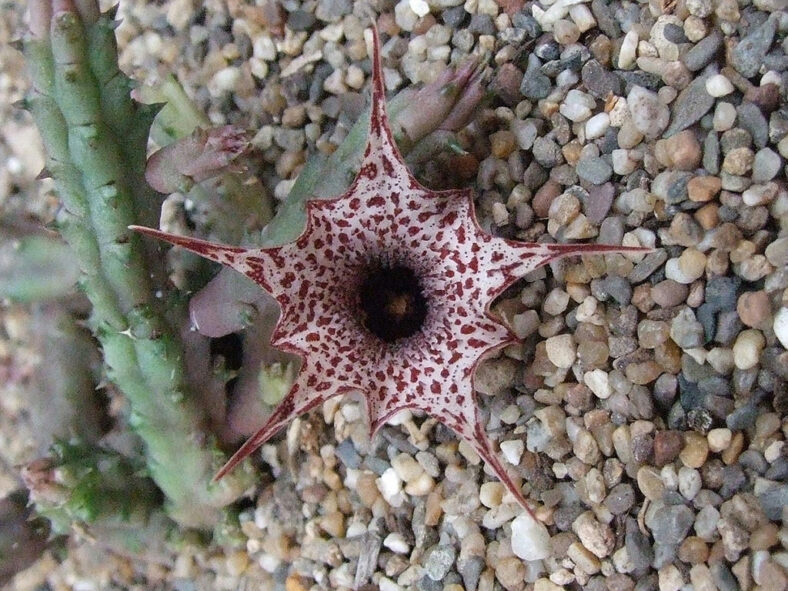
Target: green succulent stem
95,138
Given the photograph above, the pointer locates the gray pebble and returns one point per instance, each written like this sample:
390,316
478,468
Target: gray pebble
481,24
664,554
645,268
638,547
722,293
711,153
347,454
594,170
331,11
620,499
300,20
766,166
597,205
527,23
470,570
545,151
671,524
728,327
723,577
535,84
454,17
438,561
692,103
742,418
612,286
750,118
747,57
703,52
707,316
600,81
606,20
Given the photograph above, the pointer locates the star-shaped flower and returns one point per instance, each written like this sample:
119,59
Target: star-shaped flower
387,292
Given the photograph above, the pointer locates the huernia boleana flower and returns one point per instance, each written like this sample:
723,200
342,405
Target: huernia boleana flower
387,293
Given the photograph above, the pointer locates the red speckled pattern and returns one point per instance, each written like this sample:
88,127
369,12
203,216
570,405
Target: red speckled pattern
386,215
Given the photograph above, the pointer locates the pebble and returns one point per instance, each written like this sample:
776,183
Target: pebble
747,348
561,350
690,105
754,309
748,54
718,86
766,165
701,189
649,115
686,331
780,326
594,170
670,524
530,538
438,560
701,55
595,536
695,451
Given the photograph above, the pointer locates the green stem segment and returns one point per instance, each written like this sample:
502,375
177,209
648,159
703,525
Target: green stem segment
95,138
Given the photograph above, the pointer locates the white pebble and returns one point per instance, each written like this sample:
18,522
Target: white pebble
747,348
556,302
649,114
781,326
597,126
598,382
396,543
530,538
419,7
561,350
491,494
719,439
724,116
582,17
689,482
626,56
389,484
512,450
718,85
577,105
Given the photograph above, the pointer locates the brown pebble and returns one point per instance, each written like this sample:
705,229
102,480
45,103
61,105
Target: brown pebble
693,550
696,450
754,309
681,151
669,293
502,143
731,454
703,188
766,97
708,216
766,536
544,197
667,445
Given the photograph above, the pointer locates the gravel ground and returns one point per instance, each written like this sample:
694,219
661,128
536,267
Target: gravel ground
645,410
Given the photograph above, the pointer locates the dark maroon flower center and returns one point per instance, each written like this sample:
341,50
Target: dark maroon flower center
392,301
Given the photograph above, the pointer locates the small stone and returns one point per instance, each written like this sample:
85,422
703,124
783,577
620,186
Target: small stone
667,445
597,125
396,543
689,482
438,561
512,450
681,151
530,538
690,105
747,57
594,170
650,483
595,536
719,439
754,309
598,382
695,451
752,120
780,326
766,165
738,161
510,572
671,524
561,350
649,115
701,189
686,331
747,348
600,81
718,86
724,116
701,55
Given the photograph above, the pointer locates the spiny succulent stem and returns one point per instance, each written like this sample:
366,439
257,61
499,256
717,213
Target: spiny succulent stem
95,139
